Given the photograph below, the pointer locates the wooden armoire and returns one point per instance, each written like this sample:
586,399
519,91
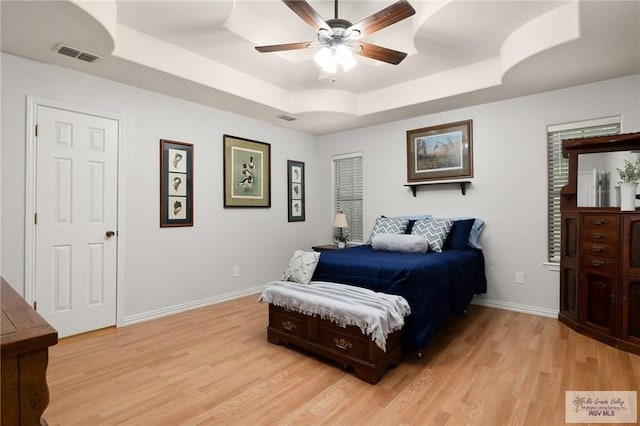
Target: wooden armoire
600,250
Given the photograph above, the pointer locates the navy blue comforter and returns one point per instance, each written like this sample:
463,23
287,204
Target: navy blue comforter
436,285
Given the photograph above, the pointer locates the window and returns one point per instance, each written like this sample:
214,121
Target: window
348,191
559,167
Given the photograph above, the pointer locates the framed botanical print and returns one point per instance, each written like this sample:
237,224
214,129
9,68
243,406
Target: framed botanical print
176,183
440,152
295,190
247,172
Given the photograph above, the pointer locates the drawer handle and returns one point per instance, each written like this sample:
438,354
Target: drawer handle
342,344
598,236
598,222
597,263
288,325
597,249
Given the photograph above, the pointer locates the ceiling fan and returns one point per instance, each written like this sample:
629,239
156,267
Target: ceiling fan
339,38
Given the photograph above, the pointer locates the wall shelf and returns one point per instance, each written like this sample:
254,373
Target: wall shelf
463,185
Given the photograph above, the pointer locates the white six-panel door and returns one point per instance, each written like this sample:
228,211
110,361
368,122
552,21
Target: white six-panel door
75,234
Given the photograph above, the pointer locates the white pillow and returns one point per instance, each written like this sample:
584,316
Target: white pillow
301,267
400,243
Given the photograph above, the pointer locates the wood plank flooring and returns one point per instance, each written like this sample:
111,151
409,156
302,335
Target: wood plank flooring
213,366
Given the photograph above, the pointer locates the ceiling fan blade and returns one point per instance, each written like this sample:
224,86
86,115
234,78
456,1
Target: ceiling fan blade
307,13
380,53
388,16
282,47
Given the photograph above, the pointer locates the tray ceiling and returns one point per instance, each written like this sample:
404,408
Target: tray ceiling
461,53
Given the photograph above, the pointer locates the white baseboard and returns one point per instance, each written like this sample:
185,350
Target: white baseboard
183,307
508,306
171,310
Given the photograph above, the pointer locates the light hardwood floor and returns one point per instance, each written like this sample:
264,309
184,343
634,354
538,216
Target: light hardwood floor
213,366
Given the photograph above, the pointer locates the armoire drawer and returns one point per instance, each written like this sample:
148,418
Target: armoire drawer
600,229
603,264
600,235
590,248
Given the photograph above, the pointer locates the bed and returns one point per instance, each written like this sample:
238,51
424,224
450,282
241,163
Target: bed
436,285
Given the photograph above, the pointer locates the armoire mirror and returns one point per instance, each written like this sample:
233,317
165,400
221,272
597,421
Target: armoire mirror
598,177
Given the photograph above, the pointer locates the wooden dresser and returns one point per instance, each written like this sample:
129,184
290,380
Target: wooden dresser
25,340
600,254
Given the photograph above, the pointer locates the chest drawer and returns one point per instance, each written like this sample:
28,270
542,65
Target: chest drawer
349,341
590,248
292,323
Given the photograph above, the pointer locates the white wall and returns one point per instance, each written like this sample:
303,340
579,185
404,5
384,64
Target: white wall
509,189
170,266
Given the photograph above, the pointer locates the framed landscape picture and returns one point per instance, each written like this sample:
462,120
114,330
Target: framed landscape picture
295,190
247,172
440,152
176,184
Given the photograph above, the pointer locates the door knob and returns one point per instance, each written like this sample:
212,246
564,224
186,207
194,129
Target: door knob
110,234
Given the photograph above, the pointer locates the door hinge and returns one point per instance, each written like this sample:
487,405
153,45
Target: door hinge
35,218
35,305
36,130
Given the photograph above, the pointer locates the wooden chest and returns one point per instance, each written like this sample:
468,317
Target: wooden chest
347,346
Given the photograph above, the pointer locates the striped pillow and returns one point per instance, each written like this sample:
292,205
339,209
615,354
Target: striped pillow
434,230
388,225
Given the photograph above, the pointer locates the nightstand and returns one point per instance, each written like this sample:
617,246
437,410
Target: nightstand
325,247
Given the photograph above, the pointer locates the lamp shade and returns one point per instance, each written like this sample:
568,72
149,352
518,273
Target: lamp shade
340,221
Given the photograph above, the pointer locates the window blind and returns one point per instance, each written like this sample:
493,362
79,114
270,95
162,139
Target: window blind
348,192
558,168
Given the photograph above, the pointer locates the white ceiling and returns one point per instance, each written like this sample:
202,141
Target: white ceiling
461,53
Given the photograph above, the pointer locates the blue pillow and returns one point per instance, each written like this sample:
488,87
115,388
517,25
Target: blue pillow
415,216
458,237
474,237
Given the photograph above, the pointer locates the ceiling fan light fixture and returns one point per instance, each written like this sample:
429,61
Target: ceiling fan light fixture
326,60
344,57
330,58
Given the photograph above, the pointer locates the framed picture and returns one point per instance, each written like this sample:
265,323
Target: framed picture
176,183
440,152
295,184
247,173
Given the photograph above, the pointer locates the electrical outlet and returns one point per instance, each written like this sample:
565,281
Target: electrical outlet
236,271
519,277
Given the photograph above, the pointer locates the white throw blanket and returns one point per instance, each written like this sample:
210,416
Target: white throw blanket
376,314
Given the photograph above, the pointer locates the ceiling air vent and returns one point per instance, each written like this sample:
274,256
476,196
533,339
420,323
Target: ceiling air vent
88,57
73,52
